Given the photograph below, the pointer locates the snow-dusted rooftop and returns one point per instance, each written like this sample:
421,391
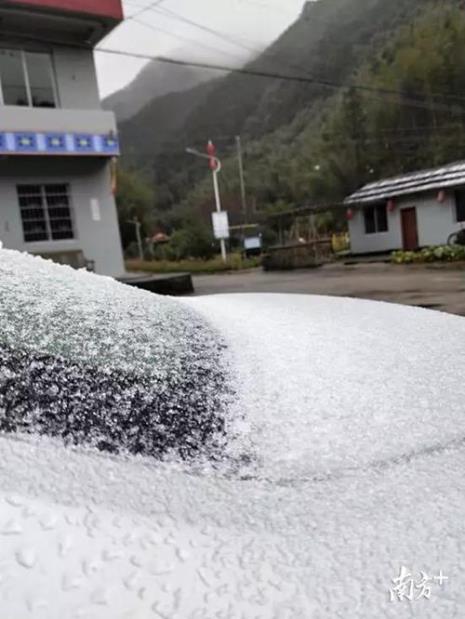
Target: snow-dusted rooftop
444,177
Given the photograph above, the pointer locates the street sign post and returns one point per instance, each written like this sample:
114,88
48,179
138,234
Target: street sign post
220,225
215,166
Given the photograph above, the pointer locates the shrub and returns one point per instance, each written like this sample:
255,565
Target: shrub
441,253
193,241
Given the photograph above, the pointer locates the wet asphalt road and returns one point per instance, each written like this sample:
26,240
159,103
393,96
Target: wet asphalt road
441,288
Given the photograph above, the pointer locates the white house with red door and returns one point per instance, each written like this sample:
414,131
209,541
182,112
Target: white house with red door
414,210
57,145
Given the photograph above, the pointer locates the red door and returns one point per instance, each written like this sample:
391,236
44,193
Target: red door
409,228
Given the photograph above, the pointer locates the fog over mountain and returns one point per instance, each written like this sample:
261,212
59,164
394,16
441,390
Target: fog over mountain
229,32
154,80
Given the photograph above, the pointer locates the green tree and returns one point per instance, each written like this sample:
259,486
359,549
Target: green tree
134,198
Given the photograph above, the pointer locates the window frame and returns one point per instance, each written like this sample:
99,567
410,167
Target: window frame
27,81
376,218
44,195
458,192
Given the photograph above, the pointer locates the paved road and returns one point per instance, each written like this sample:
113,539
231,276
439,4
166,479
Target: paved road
432,287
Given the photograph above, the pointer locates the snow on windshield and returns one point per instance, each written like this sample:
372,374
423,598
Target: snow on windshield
93,361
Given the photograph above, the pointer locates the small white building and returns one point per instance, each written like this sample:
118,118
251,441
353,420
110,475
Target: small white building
407,212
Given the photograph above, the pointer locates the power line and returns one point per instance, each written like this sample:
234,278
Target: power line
317,80
265,5
183,38
267,52
223,36
216,33
272,75
419,101
149,7
406,131
311,79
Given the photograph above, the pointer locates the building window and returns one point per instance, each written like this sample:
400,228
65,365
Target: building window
27,79
375,219
460,205
45,212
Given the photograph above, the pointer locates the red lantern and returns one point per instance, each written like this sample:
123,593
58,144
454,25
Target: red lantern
441,196
391,206
349,214
211,151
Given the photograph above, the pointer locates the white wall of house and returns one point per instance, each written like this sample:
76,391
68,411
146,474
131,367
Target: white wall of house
435,221
362,243
89,182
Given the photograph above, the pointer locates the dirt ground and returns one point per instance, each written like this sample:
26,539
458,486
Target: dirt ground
435,287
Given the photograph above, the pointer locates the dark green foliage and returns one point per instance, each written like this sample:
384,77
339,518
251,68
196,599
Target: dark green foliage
309,143
194,240
134,198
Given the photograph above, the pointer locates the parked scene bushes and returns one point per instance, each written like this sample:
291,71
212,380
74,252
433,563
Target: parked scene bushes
442,253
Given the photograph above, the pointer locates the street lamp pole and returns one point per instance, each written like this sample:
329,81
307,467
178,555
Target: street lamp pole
215,165
135,222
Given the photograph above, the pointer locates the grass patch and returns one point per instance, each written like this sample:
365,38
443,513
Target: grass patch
215,265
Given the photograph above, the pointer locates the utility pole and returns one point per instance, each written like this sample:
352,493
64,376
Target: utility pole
135,222
241,177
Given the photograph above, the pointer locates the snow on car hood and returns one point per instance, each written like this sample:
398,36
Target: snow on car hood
350,412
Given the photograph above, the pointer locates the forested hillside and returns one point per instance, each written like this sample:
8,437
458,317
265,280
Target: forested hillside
155,80
402,64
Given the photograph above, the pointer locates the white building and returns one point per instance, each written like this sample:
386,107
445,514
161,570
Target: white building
56,143
407,212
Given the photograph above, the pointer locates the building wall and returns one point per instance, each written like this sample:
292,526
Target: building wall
435,220
76,78
371,243
74,71
16,118
88,179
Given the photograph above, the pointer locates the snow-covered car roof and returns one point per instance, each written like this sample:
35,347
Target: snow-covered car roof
350,414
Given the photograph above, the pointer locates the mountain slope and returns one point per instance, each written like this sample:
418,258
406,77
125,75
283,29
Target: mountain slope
358,135
152,131
311,141
153,81
329,41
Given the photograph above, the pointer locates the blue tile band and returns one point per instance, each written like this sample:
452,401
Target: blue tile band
27,143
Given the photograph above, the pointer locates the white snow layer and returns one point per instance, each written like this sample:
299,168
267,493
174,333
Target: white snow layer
353,412
97,362
52,308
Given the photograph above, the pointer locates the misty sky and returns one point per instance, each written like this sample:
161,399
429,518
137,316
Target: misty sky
246,26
